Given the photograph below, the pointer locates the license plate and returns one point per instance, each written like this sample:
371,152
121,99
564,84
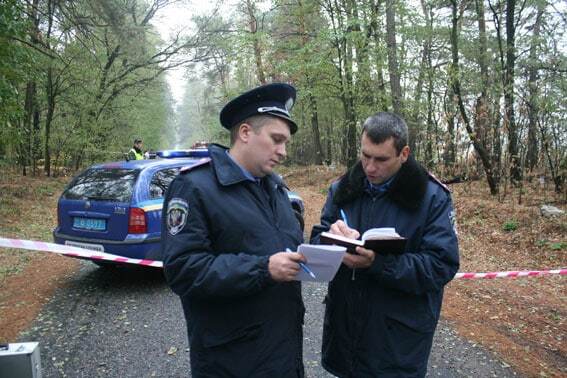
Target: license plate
92,247
89,224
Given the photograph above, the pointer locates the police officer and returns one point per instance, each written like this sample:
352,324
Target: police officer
381,308
135,152
226,224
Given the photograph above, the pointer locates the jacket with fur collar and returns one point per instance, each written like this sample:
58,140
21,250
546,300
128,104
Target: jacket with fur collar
407,188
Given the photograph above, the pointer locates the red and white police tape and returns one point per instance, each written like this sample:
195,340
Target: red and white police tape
68,250
94,255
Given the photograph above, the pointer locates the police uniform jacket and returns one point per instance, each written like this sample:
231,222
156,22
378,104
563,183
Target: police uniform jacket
240,322
381,323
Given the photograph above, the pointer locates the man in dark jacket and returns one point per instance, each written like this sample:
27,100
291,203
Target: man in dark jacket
382,308
226,224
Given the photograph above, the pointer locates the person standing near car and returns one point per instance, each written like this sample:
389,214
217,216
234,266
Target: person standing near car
226,224
135,152
382,309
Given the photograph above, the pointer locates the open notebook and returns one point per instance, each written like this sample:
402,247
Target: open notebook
380,240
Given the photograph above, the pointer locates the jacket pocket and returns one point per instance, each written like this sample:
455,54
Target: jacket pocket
217,338
417,321
407,347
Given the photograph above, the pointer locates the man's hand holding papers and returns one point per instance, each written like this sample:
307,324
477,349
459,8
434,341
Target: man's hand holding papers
323,260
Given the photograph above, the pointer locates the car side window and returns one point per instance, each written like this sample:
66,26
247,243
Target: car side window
160,182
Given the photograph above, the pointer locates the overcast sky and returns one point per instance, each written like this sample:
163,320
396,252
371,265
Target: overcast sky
177,16
172,18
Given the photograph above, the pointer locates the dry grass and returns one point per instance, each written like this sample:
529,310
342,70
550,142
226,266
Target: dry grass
28,211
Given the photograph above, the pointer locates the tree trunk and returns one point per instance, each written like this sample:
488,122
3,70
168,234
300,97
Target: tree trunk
533,106
311,101
482,117
513,147
393,68
253,28
348,98
35,137
363,79
381,95
456,85
315,129
50,91
449,153
425,67
431,130
26,149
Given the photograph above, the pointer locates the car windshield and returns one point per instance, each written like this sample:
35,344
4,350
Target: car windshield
103,184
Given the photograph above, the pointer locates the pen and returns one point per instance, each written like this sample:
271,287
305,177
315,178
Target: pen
343,215
304,267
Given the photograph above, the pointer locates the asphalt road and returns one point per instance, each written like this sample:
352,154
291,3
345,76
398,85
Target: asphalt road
127,323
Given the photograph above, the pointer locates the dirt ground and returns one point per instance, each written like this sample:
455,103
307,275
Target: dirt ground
521,320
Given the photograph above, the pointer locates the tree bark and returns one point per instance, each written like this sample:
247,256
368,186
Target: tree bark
533,106
31,112
456,85
513,147
393,68
253,28
363,79
311,101
348,97
51,93
425,67
381,95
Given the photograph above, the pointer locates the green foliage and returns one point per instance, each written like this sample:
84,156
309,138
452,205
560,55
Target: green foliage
107,86
16,67
554,246
558,246
541,242
510,225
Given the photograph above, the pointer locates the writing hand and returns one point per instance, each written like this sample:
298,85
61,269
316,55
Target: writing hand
284,266
363,258
341,228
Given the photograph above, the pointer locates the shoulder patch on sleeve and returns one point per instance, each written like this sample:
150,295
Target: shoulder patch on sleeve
435,179
177,213
199,163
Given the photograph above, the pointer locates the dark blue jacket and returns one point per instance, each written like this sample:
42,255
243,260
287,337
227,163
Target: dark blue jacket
240,322
381,324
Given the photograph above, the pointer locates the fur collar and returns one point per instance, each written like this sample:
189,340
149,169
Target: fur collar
407,189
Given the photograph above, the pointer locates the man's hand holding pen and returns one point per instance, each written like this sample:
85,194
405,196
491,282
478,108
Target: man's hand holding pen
341,228
363,258
284,266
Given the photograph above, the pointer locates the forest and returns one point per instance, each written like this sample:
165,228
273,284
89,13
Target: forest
482,84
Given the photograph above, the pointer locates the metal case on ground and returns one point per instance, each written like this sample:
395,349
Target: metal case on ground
21,360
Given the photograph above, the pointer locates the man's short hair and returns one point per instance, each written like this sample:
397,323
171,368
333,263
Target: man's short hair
256,121
384,125
137,140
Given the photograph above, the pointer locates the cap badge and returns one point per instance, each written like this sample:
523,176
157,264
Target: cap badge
266,109
289,104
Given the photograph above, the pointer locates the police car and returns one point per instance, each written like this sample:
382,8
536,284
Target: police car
116,207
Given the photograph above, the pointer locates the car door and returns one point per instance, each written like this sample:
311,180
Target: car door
159,183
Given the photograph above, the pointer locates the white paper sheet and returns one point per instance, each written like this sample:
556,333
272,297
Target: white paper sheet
323,260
